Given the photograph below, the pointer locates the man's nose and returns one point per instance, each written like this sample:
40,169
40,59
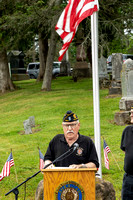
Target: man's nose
69,127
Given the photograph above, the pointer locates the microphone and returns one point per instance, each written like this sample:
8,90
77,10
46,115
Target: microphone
75,146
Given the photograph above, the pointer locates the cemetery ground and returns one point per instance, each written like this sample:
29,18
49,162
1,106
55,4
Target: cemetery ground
48,109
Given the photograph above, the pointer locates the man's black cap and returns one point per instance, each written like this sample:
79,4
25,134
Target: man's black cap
70,117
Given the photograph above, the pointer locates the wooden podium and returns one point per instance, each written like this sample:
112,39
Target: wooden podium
69,184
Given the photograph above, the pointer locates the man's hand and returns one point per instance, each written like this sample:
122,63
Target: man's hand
77,166
87,165
48,162
50,166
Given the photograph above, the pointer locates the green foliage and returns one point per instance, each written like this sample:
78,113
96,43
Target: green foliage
20,21
20,24
122,45
114,18
48,108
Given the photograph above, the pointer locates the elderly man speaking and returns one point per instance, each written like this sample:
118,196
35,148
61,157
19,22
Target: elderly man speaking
85,154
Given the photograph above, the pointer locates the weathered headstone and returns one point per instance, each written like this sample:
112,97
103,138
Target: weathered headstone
102,67
117,62
27,127
126,101
65,66
80,69
127,85
102,71
32,121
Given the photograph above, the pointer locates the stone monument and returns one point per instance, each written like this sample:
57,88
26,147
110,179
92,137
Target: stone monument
81,68
117,61
65,66
126,101
29,124
27,127
102,71
32,121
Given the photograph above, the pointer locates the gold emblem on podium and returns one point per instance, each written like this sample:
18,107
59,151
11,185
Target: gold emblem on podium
69,190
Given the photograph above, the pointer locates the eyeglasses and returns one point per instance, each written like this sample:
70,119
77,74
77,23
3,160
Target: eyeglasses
66,126
131,113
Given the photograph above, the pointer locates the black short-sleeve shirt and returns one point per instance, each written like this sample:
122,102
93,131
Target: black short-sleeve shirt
85,153
127,146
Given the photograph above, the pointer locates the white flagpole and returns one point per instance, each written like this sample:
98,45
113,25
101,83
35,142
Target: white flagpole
96,109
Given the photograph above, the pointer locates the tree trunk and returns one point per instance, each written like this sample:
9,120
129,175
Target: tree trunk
43,51
49,65
5,80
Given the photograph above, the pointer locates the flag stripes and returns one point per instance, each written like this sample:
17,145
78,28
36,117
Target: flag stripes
73,14
106,151
6,169
41,163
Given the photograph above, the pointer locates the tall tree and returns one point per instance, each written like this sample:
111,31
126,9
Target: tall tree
46,86
5,80
6,83
43,51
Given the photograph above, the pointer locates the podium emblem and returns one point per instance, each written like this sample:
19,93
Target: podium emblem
69,190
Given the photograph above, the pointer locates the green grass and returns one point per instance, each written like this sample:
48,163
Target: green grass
48,109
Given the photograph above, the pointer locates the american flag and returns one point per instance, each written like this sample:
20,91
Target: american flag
106,151
6,169
41,157
73,14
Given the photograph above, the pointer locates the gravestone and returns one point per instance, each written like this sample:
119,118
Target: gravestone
102,72
32,121
27,127
126,102
65,66
80,69
102,67
29,124
117,61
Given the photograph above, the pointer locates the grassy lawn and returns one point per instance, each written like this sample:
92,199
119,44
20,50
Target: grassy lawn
48,109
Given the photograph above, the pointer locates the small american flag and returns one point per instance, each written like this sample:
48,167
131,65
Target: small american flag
73,14
41,163
106,151
6,169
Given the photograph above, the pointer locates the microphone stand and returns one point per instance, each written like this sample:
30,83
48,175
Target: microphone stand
16,191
